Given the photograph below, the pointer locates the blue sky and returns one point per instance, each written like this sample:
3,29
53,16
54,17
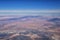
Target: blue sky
29,5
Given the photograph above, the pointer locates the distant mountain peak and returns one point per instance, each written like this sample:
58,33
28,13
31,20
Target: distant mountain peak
54,19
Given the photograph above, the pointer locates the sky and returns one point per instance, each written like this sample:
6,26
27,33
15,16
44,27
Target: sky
29,6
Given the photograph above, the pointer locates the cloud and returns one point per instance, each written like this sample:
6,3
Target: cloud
33,11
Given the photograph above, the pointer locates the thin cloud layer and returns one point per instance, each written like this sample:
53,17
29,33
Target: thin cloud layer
38,11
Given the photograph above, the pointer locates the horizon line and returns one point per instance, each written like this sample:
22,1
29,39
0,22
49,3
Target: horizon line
44,11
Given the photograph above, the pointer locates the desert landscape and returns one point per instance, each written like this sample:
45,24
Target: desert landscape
29,28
